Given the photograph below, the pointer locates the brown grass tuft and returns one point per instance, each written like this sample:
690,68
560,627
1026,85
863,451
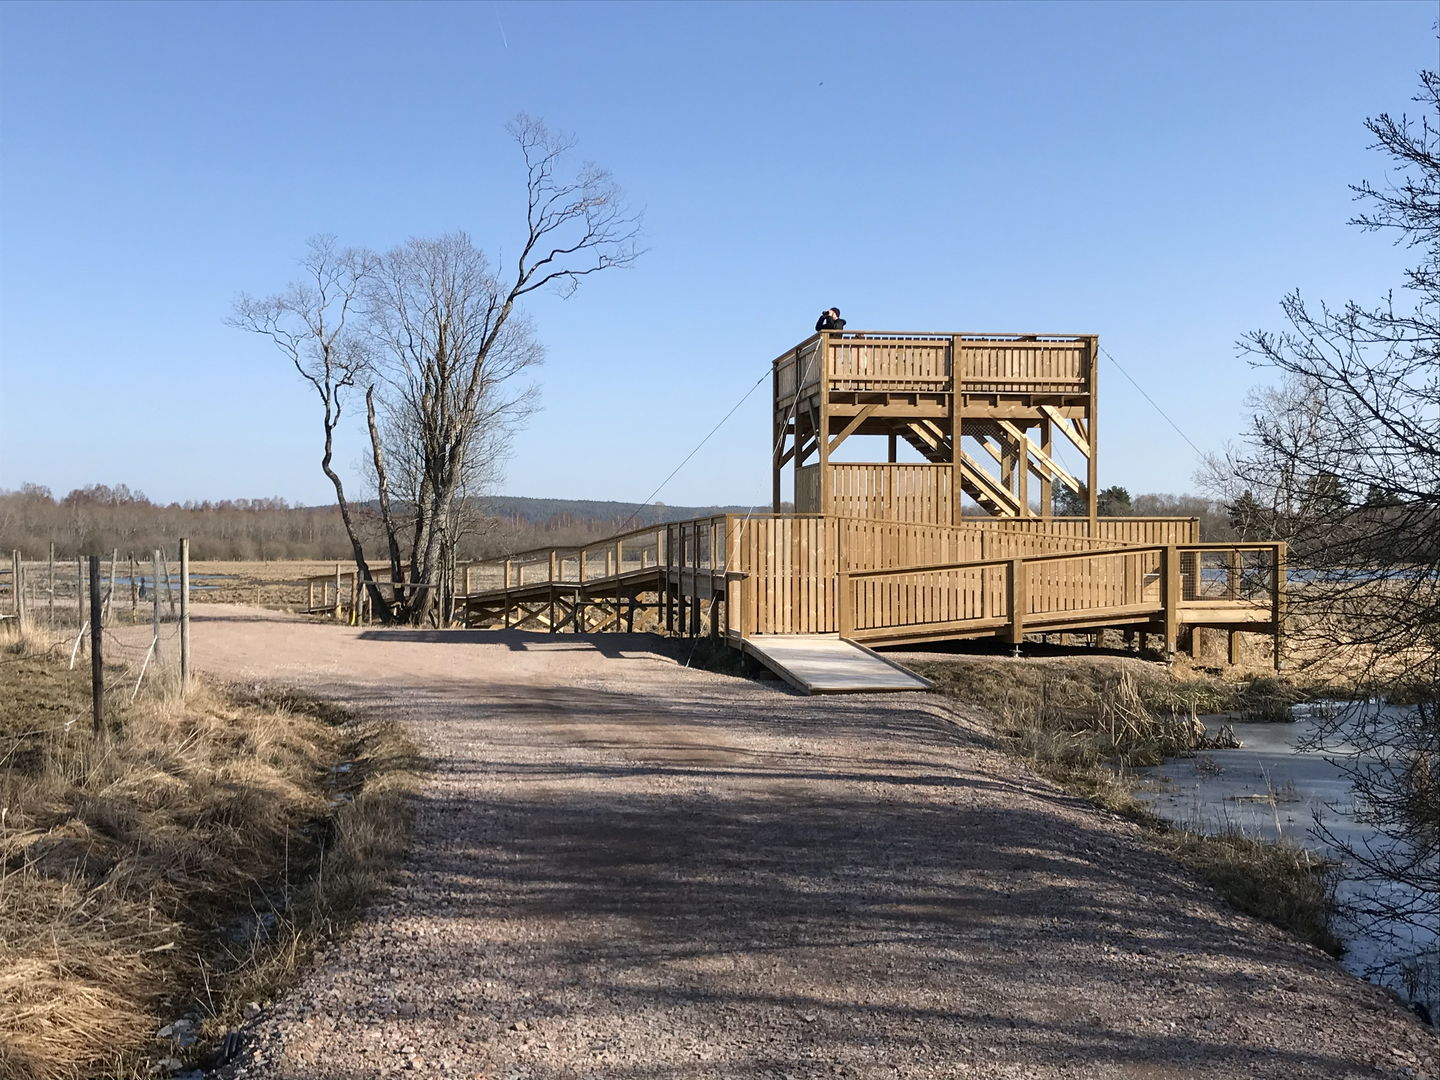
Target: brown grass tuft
183,862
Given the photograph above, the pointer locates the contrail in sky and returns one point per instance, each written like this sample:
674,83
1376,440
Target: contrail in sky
501,25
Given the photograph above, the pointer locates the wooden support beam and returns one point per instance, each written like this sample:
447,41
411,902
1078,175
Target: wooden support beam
849,429
1278,602
1017,599
1072,431
986,483
1170,597
1047,444
1040,456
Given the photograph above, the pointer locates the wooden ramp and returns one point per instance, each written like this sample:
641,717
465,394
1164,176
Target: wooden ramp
824,664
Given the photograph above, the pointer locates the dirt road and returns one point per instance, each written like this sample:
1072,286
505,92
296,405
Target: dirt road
623,868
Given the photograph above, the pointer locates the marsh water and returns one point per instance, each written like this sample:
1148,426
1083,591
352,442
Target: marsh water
1276,785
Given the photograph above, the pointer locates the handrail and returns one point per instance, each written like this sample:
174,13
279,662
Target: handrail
940,335
1055,556
575,548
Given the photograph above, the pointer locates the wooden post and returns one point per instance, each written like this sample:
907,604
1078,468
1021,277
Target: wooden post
134,592
355,599
310,594
184,614
17,589
50,611
957,393
97,663
110,594
1092,470
1017,598
337,592
777,436
169,592
79,592
1047,447
695,613
1022,482
845,613
1170,597
554,566
1277,606
155,601
822,430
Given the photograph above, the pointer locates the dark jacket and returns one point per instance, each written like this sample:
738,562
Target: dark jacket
829,322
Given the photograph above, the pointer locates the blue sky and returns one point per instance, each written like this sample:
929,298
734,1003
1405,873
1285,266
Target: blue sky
1160,174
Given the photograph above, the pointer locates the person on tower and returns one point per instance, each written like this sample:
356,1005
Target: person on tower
830,320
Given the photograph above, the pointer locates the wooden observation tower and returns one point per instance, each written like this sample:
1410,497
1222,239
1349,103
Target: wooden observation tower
923,467
978,416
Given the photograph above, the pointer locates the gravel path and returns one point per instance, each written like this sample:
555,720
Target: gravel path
623,868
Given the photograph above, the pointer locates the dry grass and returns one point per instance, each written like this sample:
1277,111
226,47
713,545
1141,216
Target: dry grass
1082,723
181,863
279,585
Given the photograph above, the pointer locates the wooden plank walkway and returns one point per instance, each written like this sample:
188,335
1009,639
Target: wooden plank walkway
824,664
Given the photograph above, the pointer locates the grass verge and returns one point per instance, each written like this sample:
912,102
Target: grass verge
1082,723
179,864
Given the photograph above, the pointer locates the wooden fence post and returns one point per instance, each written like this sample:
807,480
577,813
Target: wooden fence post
845,612
50,610
155,600
185,614
1170,597
1277,605
337,592
97,664
134,591
17,586
110,593
1018,599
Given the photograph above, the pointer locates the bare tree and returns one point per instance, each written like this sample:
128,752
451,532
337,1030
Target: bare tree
314,325
1343,459
429,334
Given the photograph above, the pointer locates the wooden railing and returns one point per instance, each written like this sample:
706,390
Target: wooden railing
790,563
900,362
639,549
885,580
908,492
1193,583
1128,530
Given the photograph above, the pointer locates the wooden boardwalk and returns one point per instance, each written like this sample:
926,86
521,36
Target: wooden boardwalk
749,579
958,542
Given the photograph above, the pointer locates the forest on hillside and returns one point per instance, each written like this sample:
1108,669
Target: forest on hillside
103,518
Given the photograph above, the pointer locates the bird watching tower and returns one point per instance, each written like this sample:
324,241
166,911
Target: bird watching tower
930,428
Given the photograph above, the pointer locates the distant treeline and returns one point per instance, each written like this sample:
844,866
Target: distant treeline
101,518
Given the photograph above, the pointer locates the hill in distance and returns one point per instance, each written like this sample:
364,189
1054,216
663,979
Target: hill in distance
598,511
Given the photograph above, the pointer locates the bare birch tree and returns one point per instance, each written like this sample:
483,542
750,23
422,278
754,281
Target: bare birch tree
429,336
314,325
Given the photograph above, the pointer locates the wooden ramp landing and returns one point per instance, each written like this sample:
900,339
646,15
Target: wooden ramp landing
825,664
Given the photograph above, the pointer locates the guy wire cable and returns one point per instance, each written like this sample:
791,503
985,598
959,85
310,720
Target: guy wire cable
792,416
1198,452
693,452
